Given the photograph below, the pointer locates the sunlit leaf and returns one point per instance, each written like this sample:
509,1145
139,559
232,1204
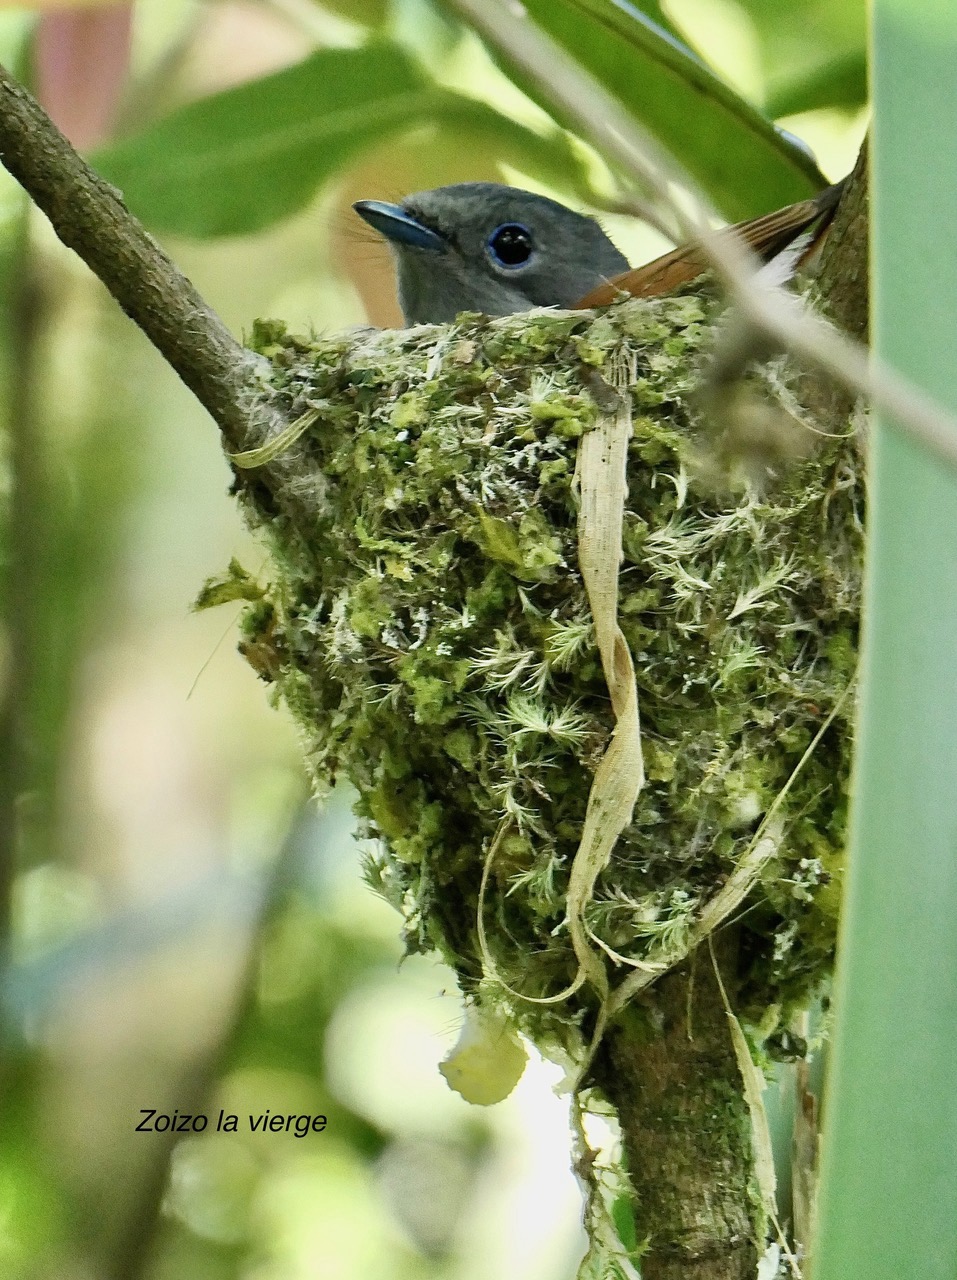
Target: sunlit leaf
797,36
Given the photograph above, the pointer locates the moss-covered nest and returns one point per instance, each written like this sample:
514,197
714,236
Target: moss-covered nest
427,625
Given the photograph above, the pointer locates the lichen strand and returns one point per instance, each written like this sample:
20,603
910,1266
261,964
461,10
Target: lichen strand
432,637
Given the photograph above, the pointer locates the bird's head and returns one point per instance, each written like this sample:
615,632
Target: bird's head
480,246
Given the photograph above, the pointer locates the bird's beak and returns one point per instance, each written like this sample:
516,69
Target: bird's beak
392,221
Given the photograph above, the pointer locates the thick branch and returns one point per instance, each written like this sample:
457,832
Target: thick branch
669,1068
90,217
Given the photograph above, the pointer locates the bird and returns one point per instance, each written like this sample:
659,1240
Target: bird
495,249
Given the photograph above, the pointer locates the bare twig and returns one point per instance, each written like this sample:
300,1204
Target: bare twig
89,217
602,119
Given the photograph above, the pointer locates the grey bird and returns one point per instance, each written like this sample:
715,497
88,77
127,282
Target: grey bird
481,246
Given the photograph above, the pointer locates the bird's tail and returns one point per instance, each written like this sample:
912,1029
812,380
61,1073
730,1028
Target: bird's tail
767,236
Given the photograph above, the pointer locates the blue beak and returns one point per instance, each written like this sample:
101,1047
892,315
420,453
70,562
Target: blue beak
392,221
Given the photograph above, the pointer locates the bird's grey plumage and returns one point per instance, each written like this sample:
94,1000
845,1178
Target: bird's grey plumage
449,267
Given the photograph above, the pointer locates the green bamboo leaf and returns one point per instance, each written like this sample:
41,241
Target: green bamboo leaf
734,152
889,1183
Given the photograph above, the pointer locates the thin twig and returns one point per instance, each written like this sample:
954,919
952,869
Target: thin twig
605,123
90,217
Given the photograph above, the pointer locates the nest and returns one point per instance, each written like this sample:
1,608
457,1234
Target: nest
427,624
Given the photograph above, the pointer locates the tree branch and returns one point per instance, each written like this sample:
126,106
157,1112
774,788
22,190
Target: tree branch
842,293
669,1068
89,216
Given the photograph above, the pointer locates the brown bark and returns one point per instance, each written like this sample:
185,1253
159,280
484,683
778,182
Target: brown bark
841,290
90,217
669,1068
843,273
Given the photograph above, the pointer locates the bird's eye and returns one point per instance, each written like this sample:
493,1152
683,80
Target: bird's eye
510,245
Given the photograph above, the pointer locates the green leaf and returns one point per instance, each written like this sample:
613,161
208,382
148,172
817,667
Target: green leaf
367,13
889,1175
733,151
840,82
552,157
797,36
240,160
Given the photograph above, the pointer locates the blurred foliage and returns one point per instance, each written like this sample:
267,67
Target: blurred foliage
840,82
238,161
309,963
799,40
74,541
154,780
735,153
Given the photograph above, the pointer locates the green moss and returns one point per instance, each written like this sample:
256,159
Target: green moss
427,625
